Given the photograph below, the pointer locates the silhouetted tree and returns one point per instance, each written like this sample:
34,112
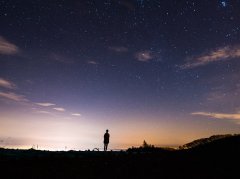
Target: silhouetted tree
146,145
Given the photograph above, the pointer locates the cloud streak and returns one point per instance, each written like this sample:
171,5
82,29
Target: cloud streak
76,114
43,112
223,53
92,62
144,56
45,104
233,116
7,84
59,109
13,96
7,48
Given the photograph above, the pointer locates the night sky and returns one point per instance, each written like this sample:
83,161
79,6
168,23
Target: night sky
164,71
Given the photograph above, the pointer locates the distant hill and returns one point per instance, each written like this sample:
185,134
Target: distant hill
206,141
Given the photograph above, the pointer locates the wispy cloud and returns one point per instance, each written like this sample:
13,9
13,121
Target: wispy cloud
61,59
223,53
222,90
7,48
45,104
59,109
216,96
13,96
92,62
144,56
118,49
7,84
233,116
43,112
76,114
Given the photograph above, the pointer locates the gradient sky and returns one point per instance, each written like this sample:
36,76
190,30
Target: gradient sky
164,71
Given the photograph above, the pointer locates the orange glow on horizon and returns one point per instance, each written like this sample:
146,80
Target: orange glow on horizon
26,130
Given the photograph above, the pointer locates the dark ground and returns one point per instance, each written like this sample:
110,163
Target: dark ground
215,160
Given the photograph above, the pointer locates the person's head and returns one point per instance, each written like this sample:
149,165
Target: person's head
107,131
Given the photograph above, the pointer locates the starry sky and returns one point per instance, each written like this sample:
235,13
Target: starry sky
164,71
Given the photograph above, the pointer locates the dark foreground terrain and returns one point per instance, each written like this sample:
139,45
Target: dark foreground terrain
208,159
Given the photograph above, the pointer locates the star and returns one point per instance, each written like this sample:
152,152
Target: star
223,3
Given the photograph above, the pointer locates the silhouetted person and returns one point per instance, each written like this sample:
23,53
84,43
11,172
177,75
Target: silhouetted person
106,140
